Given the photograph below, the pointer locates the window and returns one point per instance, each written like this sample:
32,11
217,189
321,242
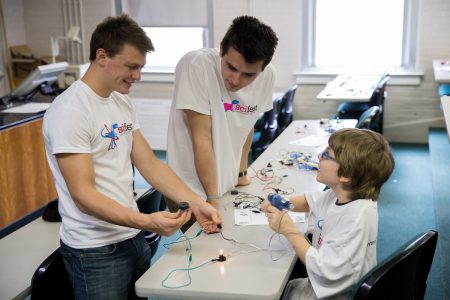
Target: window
173,31
171,43
360,35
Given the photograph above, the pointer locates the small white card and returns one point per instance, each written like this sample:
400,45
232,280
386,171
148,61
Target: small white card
244,217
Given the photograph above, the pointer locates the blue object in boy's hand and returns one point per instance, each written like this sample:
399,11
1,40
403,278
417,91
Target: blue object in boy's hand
280,202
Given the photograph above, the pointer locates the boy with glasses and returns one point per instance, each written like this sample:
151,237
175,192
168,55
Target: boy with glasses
356,163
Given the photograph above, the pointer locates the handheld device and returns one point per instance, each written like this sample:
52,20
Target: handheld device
183,206
280,202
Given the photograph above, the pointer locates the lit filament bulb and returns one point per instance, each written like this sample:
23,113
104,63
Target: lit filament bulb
221,256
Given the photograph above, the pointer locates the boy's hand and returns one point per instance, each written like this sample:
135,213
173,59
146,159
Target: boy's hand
265,205
279,221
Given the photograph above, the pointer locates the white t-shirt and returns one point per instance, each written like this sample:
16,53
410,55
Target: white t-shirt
80,121
343,248
199,86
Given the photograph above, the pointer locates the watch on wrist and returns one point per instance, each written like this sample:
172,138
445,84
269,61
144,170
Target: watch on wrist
242,174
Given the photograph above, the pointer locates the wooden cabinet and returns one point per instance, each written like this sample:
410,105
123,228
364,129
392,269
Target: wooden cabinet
26,182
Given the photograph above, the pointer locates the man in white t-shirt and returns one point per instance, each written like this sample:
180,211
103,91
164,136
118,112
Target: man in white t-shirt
92,138
219,94
356,163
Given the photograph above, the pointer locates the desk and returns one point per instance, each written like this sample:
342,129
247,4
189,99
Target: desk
441,68
445,101
26,182
350,88
22,251
244,275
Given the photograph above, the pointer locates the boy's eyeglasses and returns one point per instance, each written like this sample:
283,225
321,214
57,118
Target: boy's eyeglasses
326,155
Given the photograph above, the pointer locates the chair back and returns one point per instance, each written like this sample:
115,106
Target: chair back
286,114
150,202
268,132
51,280
403,275
379,94
368,117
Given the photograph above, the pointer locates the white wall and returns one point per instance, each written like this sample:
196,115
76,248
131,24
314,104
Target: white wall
410,110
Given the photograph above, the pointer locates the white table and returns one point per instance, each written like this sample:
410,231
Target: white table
445,101
441,68
350,88
22,251
242,276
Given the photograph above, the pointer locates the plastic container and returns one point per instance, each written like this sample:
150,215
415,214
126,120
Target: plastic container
280,202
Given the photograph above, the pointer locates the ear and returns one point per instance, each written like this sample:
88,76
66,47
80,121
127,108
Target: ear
344,179
220,51
100,56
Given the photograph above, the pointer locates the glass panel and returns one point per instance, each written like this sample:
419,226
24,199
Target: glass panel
359,33
171,43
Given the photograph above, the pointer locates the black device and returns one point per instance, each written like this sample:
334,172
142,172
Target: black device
183,206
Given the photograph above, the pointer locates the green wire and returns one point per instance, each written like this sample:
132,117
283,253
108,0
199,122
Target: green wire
188,270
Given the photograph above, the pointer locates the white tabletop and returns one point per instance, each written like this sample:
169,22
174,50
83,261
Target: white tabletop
441,68
22,251
356,88
445,101
243,275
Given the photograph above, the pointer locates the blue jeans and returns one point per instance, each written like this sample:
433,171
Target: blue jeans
107,272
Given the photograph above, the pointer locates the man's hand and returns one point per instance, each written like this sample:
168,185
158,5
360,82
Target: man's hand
208,216
244,180
166,223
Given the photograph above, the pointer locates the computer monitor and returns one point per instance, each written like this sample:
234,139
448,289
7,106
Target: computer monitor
44,74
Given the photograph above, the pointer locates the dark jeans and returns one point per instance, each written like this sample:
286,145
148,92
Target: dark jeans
107,272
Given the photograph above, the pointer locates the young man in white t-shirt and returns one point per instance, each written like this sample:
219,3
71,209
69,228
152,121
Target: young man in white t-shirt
92,138
356,163
219,94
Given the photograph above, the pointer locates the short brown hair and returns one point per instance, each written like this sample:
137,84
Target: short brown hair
114,32
365,157
254,40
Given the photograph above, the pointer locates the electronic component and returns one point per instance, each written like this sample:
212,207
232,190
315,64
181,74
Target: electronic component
280,202
221,256
183,206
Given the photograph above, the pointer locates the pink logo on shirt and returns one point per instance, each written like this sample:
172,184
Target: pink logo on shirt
234,106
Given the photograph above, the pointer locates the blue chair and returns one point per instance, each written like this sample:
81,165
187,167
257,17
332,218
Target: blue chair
150,202
286,114
354,110
403,275
268,131
369,118
51,280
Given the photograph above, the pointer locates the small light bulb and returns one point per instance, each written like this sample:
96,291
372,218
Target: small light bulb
221,256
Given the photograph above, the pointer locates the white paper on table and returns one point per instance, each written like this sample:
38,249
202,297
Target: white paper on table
244,217
28,108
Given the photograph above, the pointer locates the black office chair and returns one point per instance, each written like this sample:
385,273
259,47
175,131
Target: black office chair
265,136
403,275
354,110
150,202
51,280
286,114
369,118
